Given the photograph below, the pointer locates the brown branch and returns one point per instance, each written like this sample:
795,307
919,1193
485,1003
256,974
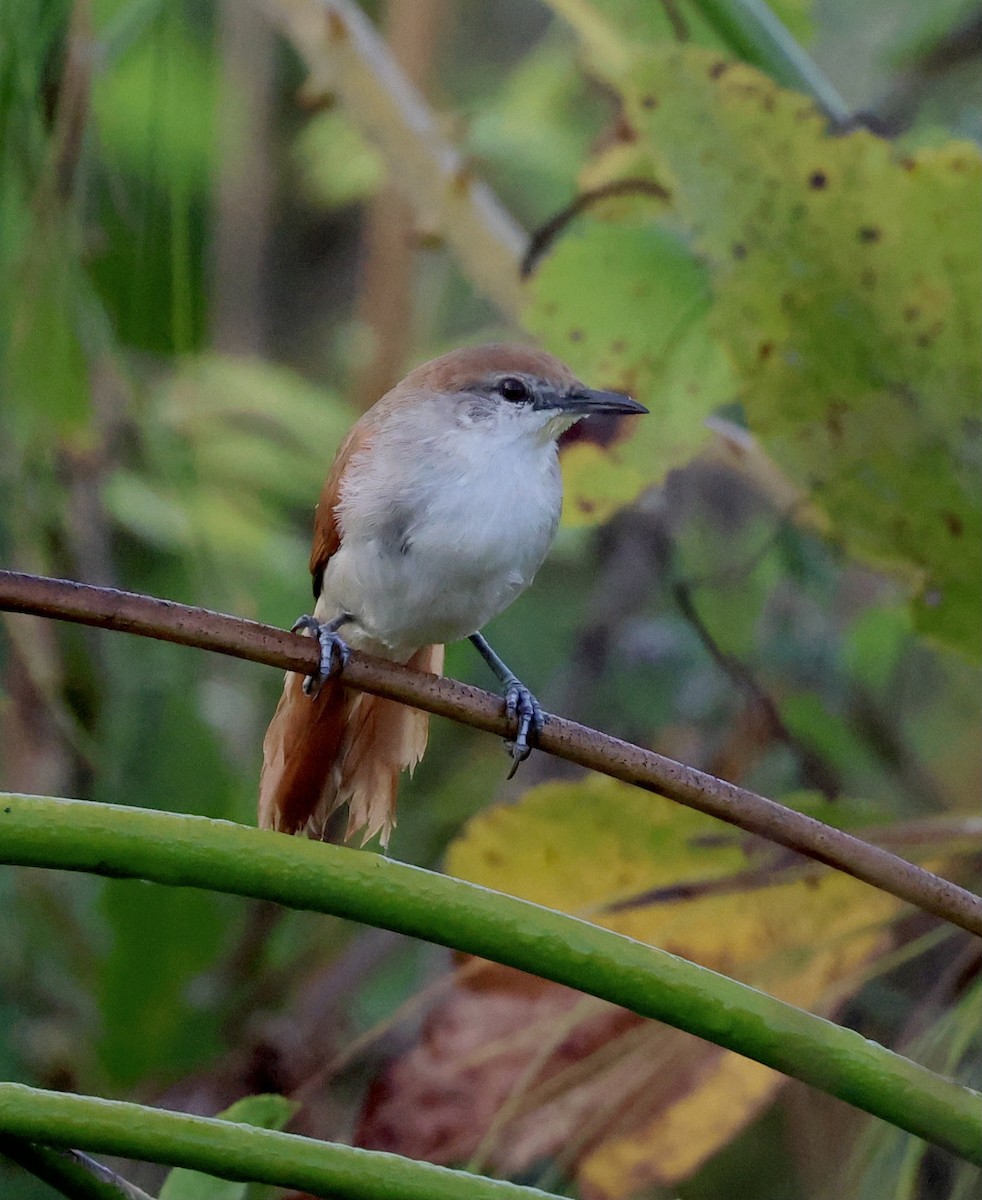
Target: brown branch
815,771
543,237
386,292
184,625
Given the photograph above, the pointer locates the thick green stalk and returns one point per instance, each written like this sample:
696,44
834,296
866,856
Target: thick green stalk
233,1151
752,31
198,852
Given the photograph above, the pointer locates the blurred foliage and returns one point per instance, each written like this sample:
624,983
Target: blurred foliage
846,287
814,391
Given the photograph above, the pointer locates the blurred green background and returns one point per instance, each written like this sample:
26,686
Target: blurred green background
204,278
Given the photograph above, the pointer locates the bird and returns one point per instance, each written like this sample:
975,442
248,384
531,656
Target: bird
440,506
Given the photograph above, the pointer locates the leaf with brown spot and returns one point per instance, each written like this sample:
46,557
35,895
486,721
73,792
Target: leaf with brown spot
862,278
627,306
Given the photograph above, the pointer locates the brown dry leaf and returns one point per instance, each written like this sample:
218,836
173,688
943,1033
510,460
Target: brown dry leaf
511,1071
494,1031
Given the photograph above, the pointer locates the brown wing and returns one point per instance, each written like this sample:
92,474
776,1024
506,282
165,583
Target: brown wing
303,740
327,532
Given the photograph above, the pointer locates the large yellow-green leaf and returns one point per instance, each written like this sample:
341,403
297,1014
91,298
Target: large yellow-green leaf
615,32
848,280
627,306
582,847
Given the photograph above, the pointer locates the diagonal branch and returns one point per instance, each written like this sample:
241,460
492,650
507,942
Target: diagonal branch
751,29
184,625
75,1175
348,58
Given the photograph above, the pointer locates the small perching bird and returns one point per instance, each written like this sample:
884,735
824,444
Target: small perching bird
440,507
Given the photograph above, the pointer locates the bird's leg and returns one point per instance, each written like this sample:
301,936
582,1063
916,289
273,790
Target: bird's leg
334,650
520,705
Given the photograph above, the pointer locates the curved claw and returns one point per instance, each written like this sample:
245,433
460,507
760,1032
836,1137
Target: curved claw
335,652
522,707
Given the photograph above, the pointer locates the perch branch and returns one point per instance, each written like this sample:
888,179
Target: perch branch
188,626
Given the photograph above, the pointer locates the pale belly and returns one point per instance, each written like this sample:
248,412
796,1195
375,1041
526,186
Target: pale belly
440,573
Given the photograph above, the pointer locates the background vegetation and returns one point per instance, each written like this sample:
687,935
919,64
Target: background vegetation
206,270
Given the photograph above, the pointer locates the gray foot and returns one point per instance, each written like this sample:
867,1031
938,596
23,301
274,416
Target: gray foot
523,708
334,650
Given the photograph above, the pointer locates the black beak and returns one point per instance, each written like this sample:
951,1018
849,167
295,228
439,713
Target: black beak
584,402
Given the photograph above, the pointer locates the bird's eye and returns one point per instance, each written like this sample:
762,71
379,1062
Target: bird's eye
514,390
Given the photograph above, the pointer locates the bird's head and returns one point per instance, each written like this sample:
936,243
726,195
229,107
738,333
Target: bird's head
512,391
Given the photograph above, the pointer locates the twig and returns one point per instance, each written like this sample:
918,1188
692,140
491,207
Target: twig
346,57
385,303
815,771
543,237
184,625
241,1152
70,1172
896,110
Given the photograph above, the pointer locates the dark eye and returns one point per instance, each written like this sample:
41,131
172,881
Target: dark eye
514,390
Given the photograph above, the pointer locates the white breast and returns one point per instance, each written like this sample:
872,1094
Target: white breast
440,532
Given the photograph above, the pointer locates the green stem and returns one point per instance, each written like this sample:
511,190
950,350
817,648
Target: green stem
72,1174
195,851
242,1152
752,31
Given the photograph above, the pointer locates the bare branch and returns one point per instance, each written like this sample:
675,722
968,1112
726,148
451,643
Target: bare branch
187,626
347,57
75,1175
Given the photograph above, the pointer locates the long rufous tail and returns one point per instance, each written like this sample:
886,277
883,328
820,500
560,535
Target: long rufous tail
342,747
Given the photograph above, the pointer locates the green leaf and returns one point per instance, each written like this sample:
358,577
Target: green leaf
617,32
159,1013
154,108
266,1112
627,306
45,376
336,165
873,646
847,281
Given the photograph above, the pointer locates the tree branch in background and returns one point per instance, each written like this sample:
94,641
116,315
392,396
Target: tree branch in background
188,626
814,770
347,58
954,50
385,303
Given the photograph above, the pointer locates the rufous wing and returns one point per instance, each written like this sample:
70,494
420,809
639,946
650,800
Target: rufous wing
341,747
299,752
382,738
